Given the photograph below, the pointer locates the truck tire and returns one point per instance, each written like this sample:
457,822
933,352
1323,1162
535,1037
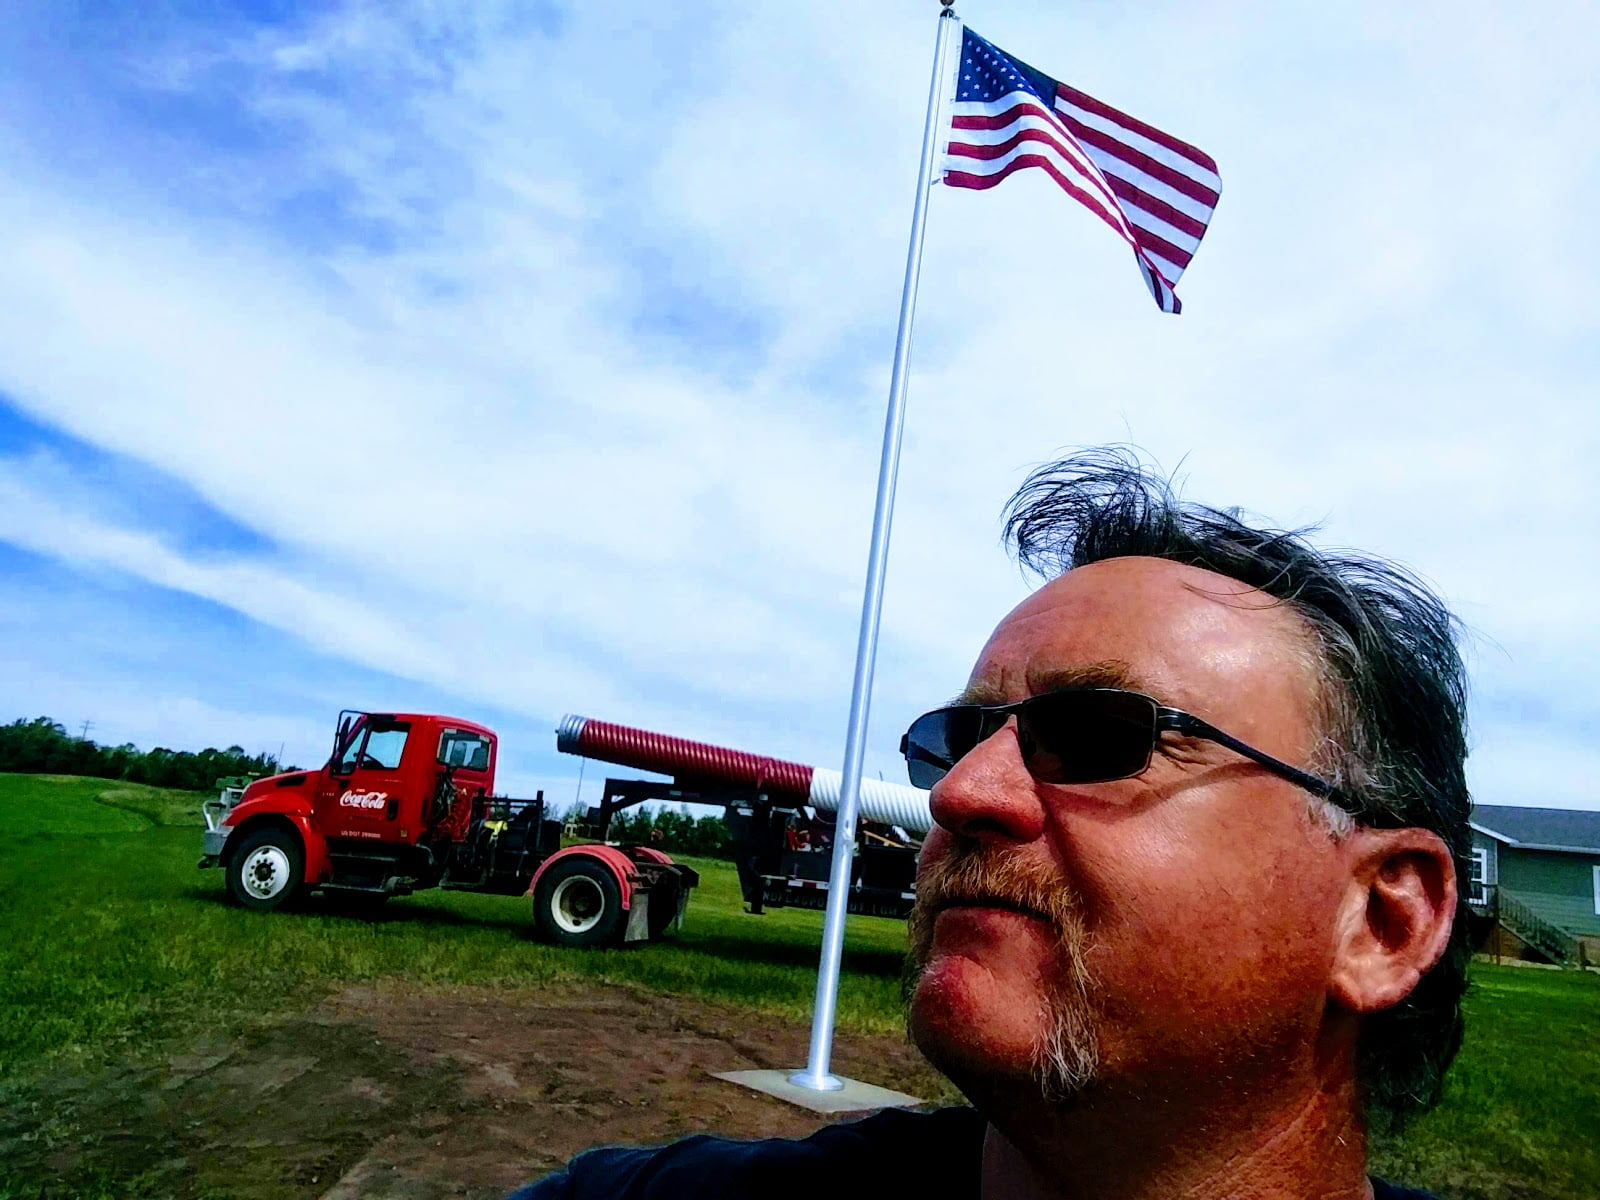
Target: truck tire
267,870
578,903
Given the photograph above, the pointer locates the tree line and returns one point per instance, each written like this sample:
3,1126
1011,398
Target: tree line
674,830
43,746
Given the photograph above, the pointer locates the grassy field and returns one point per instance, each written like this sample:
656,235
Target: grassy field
108,932
110,938
1521,1112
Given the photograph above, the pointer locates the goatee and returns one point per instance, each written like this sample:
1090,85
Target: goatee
1067,1055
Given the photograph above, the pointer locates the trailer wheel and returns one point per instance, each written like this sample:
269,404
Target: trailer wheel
267,870
578,903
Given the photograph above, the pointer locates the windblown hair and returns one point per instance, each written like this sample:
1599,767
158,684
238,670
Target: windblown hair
1394,698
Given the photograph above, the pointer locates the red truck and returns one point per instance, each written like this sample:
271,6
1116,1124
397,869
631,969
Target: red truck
406,801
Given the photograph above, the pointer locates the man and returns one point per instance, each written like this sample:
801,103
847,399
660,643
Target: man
1188,924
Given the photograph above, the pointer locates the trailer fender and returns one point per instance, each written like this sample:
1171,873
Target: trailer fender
649,854
312,842
614,859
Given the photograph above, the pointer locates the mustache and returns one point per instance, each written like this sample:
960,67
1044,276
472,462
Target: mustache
976,874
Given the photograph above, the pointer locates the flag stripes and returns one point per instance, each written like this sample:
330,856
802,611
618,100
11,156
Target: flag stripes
1033,137
1157,192
1174,235
1137,135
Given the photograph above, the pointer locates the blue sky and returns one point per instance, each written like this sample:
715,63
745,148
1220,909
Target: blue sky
511,360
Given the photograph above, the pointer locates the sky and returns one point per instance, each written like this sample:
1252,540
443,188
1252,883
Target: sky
512,360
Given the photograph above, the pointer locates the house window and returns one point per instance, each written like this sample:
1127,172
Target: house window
1597,891
1478,876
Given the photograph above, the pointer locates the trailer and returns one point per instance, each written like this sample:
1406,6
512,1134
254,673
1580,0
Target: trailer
406,802
779,815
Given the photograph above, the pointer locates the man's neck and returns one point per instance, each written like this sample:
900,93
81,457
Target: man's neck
1309,1146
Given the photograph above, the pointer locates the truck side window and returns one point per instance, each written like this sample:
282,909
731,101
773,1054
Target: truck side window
470,751
384,748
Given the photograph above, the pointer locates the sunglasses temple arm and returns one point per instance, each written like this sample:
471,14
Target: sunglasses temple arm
1192,726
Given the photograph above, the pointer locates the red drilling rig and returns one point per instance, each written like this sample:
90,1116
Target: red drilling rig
406,801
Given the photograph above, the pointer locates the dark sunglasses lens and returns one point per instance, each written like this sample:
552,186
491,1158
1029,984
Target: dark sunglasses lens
1088,736
936,741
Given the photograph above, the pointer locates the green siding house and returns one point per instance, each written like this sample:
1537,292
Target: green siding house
1535,874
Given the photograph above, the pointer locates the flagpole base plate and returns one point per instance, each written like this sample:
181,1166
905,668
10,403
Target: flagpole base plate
797,1087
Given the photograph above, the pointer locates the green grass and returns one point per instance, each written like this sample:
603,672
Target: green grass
1521,1110
108,931
61,805
110,936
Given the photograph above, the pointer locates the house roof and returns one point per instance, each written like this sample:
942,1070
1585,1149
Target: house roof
1571,829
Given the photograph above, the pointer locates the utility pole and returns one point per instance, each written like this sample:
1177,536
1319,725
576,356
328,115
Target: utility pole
83,734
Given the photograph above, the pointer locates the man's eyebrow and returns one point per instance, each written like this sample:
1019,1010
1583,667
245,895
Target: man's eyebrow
1112,673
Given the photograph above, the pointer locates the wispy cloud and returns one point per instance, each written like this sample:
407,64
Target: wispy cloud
538,356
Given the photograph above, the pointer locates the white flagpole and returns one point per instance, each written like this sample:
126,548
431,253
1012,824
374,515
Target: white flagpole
815,1076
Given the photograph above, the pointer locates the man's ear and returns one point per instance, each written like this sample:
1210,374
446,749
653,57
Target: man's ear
1396,917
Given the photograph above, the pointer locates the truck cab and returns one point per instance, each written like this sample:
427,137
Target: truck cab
385,781
395,777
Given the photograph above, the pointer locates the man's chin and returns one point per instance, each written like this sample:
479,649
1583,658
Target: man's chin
962,1025
974,1027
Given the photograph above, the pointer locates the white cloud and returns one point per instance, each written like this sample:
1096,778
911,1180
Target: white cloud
573,400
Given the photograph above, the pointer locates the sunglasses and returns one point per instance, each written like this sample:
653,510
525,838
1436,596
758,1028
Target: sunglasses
1078,735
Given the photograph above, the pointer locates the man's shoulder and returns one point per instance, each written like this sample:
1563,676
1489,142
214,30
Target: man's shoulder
892,1153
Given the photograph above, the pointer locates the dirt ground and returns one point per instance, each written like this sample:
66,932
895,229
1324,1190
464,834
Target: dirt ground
401,1093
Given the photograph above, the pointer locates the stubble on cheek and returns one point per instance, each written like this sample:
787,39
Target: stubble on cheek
1066,1054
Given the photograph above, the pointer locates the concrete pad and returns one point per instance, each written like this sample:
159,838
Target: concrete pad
855,1096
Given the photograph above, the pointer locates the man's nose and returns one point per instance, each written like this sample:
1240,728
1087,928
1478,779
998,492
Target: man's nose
989,794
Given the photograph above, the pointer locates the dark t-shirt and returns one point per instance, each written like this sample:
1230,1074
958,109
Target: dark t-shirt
891,1155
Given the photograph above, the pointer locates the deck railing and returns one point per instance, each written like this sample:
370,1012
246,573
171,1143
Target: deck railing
1518,916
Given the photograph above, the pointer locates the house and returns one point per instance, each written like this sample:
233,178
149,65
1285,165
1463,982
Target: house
1534,883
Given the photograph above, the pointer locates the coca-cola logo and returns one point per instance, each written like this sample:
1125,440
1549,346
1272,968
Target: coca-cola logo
363,799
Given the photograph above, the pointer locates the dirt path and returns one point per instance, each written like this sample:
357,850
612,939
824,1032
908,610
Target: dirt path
400,1093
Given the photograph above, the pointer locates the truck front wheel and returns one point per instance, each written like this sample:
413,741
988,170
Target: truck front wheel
578,903
267,869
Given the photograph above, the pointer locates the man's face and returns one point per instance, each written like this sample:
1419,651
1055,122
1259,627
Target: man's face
1176,925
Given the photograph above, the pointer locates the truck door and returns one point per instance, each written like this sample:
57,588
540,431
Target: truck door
469,754
367,795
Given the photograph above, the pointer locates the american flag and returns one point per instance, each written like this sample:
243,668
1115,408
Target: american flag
1158,193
